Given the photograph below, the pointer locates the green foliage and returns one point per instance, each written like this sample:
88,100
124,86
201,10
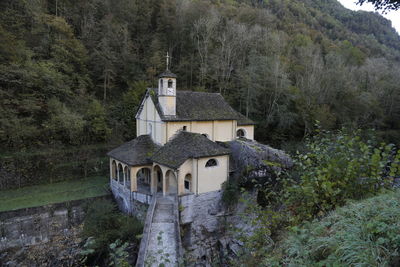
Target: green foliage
97,127
106,225
294,63
336,167
364,233
126,111
230,194
118,254
265,224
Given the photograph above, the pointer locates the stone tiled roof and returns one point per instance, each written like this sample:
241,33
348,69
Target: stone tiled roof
199,106
135,152
167,74
185,145
243,120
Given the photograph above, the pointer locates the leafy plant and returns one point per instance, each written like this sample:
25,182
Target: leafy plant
364,233
336,167
105,225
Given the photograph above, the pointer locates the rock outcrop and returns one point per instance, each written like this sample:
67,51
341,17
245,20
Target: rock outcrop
207,229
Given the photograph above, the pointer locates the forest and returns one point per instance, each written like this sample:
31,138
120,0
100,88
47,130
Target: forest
72,73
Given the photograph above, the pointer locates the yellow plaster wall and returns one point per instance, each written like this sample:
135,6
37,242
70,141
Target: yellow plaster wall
224,130
211,179
149,115
216,130
185,168
173,127
203,127
168,104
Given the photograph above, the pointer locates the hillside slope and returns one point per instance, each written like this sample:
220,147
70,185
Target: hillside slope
72,72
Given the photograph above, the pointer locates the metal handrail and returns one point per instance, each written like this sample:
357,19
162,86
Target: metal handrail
179,248
146,234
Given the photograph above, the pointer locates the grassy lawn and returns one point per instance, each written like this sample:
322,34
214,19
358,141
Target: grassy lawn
40,195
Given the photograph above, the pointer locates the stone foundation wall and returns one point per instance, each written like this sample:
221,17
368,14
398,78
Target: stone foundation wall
208,229
32,226
131,203
202,225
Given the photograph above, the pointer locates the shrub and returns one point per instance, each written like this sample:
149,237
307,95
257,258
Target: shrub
337,167
230,194
104,225
363,233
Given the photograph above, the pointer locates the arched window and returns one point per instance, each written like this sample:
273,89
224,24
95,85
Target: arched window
240,133
188,182
169,83
184,128
161,83
211,163
149,129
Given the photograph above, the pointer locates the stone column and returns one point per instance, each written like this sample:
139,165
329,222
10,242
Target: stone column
124,175
164,185
134,179
153,185
117,170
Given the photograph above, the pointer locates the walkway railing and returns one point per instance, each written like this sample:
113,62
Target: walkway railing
146,233
179,249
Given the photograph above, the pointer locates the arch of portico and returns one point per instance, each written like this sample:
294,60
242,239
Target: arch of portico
148,179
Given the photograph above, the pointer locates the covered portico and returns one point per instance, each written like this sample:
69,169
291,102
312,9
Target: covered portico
146,179
132,169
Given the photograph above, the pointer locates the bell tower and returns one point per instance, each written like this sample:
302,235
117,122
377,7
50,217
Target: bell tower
167,91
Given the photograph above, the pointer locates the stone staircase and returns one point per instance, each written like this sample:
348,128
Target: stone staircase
163,247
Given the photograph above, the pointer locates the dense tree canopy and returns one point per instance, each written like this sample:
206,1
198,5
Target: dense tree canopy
73,72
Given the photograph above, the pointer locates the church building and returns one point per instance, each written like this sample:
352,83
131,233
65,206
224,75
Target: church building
178,146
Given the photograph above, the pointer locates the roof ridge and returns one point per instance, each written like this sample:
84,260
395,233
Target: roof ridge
198,92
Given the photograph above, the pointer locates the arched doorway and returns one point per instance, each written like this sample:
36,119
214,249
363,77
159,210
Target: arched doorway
127,177
143,180
158,175
171,182
120,173
114,173
188,183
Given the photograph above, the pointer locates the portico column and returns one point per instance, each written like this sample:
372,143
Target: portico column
164,184
153,186
124,174
133,179
117,168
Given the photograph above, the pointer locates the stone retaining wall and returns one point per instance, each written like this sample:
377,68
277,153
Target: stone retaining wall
32,226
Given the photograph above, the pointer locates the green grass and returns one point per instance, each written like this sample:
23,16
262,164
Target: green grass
39,195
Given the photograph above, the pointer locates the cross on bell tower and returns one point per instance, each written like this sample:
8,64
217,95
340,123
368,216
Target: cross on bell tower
167,57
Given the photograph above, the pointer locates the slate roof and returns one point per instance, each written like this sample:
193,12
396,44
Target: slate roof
135,152
243,120
185,145
167,74
199,106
